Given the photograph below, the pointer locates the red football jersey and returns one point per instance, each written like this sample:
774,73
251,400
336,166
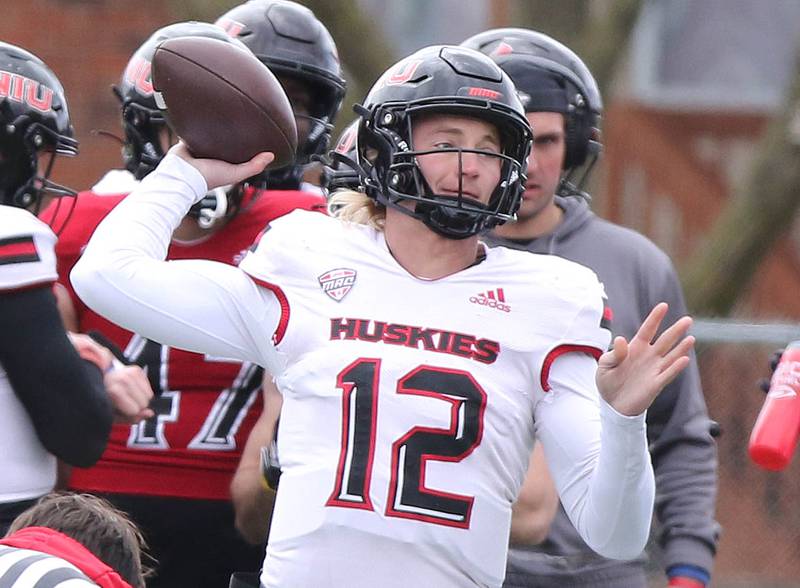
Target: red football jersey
205,406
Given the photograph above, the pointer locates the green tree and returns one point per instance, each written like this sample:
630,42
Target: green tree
761,210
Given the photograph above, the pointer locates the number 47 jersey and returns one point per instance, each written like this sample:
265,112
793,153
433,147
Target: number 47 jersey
408,412
205,406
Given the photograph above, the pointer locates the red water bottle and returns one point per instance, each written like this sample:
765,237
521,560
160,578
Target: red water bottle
777,428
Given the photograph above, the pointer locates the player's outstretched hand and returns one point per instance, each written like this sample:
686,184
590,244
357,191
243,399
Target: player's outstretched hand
631,374
130,393
221,173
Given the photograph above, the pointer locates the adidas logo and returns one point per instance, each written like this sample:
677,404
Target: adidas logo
493,299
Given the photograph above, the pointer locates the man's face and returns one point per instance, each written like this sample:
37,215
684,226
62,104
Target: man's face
545,163
166,138
299,95
478,174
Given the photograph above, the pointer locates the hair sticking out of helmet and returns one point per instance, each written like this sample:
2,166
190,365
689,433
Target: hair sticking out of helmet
34,129
550,77
300,51
451,81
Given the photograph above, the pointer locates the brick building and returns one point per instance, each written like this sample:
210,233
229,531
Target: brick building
87,43
701,82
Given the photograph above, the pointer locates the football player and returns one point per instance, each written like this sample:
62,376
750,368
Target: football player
416,366
173,472
563,104
52,404
300,51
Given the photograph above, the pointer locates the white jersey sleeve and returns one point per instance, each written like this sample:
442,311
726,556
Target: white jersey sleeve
602,469
27,250
195,305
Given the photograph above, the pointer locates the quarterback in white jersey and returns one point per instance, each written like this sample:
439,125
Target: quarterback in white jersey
416,365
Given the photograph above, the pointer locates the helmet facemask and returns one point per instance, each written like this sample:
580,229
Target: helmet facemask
142,150
396,177
297,48
22,142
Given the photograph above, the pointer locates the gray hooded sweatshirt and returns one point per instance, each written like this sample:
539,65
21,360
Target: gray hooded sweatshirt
637,275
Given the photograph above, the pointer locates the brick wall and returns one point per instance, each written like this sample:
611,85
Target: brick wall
688,165
87,43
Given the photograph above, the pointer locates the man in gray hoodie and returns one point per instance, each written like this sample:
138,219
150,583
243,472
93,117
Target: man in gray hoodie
563,105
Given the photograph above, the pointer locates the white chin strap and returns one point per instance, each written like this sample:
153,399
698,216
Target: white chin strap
210,216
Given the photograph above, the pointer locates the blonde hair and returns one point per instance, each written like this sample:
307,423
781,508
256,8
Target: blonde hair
356,207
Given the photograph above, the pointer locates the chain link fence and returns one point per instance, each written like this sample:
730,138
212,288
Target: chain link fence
759,510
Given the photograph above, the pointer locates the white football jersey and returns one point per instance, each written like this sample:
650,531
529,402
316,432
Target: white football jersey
27,259
408,412
410,406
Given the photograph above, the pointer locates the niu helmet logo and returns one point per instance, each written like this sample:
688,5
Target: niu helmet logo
138,75
403,72
337,283
493,299
399,74
25,90
347,140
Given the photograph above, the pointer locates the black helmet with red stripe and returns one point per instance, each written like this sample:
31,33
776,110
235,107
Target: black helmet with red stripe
338,174
441,80
550,77
299,50
34,119
142,120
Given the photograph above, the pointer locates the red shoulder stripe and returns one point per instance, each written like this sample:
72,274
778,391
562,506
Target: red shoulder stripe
280,330
18,250
557,352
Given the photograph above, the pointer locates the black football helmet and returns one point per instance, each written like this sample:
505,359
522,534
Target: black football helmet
338,173
551,77
295,45
143,122
33,119
441,80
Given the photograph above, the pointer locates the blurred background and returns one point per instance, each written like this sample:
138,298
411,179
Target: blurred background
702,154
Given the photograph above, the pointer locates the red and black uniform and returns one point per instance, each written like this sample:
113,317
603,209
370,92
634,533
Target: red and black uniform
205,408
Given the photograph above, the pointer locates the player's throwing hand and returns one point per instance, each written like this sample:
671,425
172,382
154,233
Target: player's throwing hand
221,173
631,374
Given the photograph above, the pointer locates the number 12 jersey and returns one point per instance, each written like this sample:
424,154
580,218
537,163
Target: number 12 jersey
408,412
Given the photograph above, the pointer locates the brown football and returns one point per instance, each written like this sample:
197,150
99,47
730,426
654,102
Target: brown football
222,101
